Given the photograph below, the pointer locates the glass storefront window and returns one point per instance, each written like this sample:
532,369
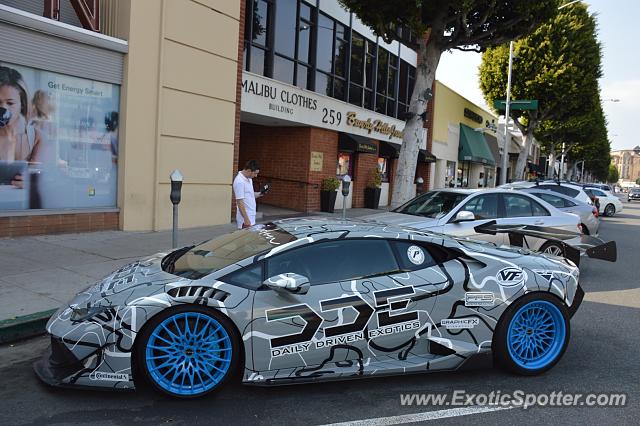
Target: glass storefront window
357,58
323,83
339,88
355,95
65,150
285,22
302,80
342,49
257,60
345,166
383,58
324,51
449,180
382,168
304,40
283,69
260,18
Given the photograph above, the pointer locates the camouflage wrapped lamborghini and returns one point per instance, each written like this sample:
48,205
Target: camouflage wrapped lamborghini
304,300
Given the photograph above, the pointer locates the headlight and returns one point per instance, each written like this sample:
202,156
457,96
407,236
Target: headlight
82,314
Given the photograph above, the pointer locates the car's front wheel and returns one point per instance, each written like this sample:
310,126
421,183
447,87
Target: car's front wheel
532,335
609,210
187,351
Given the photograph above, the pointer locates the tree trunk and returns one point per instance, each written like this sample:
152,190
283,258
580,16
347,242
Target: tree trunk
428,59
524,153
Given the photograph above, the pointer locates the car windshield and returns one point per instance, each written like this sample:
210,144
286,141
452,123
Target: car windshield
225,250
433,204
635,191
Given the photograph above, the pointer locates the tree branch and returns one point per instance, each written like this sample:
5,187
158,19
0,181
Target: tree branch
468,49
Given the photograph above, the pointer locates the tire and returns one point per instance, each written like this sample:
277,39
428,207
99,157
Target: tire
609,210
187,351
532,334
553,248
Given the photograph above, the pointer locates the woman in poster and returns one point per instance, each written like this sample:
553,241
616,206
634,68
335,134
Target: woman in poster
19,141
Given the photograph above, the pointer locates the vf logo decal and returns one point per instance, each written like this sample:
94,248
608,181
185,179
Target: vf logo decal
510,277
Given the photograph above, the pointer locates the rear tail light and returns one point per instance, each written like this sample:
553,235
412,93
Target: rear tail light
595,212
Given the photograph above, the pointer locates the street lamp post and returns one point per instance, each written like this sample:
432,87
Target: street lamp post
505,150
175,195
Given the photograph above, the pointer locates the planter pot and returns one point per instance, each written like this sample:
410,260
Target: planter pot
328,200
372,197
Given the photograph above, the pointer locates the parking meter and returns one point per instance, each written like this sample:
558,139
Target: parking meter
175,196
346,185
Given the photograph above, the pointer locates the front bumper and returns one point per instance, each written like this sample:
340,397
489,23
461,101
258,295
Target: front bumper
57,364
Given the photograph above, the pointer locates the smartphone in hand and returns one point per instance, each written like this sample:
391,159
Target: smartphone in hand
264,189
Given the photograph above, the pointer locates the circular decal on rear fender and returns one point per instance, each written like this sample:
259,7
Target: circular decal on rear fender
415,255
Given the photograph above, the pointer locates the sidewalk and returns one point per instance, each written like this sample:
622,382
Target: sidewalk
39,274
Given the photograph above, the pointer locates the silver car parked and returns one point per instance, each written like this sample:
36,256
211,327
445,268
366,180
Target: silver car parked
588,214
458,211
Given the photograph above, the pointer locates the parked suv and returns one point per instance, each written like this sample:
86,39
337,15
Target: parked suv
571,189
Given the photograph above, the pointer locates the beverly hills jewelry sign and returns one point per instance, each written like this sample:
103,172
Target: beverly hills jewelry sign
278,100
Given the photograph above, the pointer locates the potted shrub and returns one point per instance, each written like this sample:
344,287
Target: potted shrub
328,193
372,191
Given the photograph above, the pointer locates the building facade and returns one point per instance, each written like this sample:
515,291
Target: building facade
627,162
113,96
322,96
463,142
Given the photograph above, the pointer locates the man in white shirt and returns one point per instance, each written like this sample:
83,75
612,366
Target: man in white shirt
245,195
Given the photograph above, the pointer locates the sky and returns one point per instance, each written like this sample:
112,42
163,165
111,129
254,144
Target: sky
618,33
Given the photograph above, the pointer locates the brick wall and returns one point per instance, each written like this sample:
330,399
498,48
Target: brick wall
17,226
284,156
363,171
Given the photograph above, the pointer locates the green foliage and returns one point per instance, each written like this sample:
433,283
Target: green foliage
613,174
330,184
375,181
558,64
638,181
455,24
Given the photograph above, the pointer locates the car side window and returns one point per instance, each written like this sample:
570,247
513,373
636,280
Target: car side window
337,260
249,277
483,206
519,206
560,189
598,193
569,203
413,256
552,199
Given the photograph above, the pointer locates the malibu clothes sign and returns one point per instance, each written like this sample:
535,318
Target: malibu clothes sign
266,97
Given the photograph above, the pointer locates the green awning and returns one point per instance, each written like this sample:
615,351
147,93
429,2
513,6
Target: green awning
473,147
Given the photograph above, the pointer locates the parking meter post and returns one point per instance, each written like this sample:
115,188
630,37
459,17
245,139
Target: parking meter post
175,195
346,184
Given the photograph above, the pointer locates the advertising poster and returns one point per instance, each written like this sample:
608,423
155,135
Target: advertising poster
58,140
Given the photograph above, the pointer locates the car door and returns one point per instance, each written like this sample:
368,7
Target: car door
485,208
303,335
524,210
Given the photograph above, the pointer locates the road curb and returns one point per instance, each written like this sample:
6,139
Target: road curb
19,328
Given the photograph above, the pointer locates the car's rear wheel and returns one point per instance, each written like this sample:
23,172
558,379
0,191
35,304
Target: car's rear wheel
532,335
187,351
552,248
609,210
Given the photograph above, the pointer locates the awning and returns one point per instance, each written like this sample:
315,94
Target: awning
389,150
473,147
354,143
425,156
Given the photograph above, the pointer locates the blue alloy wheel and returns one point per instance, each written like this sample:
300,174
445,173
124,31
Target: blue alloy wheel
536,335
188,353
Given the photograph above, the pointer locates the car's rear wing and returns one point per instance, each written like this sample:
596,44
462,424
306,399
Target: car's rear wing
591,246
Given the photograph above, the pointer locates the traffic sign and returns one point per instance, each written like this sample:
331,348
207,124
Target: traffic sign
521,105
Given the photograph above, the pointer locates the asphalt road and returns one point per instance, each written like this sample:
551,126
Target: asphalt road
602,357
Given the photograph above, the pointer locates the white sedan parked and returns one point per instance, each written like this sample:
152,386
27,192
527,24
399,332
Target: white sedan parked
609,203
458,211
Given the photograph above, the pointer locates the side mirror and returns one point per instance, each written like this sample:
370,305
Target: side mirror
289,282
464,216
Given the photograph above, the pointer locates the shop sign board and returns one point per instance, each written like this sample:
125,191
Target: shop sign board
317,159
267,97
